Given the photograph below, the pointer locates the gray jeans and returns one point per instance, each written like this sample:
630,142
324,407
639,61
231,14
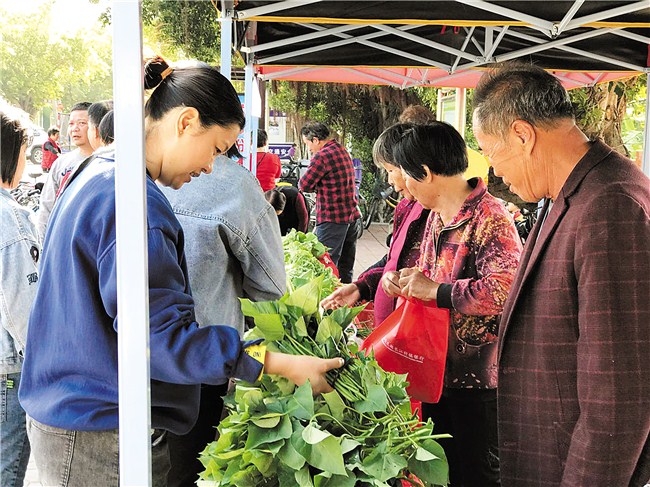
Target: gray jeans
83,458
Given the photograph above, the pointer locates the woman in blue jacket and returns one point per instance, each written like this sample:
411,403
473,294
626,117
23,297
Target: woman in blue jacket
69,387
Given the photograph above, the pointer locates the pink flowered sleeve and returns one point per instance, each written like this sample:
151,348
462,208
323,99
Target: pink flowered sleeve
498,249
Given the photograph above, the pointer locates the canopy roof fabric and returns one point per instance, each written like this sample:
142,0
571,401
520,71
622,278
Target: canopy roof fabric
442,43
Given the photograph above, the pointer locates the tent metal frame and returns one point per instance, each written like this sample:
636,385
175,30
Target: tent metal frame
345,31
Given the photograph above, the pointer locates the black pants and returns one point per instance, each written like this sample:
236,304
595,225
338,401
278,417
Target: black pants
349,252
470,416
184,450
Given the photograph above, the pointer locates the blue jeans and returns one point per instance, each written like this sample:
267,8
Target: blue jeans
14,445
88,458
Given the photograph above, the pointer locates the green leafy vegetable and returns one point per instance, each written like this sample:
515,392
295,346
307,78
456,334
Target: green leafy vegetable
361,434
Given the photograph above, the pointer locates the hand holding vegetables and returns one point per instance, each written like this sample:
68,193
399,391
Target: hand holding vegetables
300,368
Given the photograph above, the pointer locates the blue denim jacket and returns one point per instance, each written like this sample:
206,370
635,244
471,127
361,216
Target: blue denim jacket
232,242
19,254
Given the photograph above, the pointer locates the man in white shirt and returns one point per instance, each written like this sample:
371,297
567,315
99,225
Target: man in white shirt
65,164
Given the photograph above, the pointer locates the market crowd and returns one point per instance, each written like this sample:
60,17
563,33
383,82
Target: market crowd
545,378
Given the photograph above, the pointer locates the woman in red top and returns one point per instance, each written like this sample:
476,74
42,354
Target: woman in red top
268,165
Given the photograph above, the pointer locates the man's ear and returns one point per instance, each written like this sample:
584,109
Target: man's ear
188,120
524,135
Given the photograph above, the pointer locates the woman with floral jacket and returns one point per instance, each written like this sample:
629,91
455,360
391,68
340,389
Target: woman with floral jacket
469,255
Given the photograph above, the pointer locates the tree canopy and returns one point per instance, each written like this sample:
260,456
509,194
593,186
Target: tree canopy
35,70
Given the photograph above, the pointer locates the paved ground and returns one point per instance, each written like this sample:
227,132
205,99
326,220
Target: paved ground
370,248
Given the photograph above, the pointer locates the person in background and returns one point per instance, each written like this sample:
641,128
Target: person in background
276,199
51,149
107,129
96,113
331,176
71,399
233,250
469,255
19,255
269,166
65,164
417,114
574,394
292,152
294,212
408,229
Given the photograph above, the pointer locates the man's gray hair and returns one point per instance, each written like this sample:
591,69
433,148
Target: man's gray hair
517,91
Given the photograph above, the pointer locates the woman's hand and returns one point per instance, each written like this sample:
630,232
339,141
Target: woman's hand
344,296
301,368
414,284
390,283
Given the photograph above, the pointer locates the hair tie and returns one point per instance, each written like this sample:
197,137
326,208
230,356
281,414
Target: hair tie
166,72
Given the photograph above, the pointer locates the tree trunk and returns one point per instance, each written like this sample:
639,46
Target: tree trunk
606,108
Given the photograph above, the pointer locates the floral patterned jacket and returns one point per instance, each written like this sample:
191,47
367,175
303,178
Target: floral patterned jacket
474,258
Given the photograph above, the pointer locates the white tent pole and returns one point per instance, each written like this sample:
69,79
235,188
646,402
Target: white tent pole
535,22
347,39
607,14
301,38
559,28
632,35
646,138
425,42
226,40
468,37
131,247
248,113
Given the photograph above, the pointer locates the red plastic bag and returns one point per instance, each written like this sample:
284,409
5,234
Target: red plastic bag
327,261
413,341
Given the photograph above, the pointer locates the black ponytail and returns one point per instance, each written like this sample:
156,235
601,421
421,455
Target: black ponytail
199,85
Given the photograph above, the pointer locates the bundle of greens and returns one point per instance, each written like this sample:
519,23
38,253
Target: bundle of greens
363,433
301,254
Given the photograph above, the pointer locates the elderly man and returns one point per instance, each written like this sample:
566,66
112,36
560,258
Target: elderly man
574,393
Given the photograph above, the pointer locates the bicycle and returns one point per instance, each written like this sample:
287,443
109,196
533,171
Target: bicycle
382,193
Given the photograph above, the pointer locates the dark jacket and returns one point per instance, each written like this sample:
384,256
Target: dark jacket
574,392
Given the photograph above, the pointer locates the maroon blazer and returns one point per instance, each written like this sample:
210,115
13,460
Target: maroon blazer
574,352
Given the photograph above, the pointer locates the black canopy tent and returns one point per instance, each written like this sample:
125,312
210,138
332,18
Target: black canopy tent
441,43
438,43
